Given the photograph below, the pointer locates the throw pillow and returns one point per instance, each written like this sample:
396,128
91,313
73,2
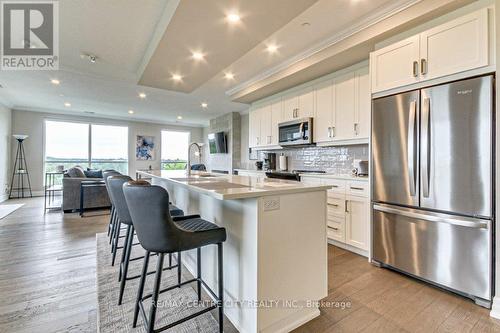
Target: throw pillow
76,172
93,173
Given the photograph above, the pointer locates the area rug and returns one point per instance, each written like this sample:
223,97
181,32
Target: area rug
8,209
115,318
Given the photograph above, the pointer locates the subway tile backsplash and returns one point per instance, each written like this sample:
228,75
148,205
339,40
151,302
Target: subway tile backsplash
337,160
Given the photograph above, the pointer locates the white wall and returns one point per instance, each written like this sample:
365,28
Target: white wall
32,124
5,139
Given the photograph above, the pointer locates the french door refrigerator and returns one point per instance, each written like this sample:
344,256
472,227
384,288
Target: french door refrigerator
433,185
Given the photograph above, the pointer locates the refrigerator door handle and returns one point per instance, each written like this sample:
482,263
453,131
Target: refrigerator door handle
425,151
434,217
411,146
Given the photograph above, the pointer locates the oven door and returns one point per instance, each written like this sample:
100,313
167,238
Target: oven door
296,132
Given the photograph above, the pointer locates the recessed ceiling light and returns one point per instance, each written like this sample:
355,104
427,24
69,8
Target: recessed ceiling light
233,17
62,95
142,95
179,117
67,104
306,24
229,76
272,48
55,81
204,105
176,77
197,56
131,111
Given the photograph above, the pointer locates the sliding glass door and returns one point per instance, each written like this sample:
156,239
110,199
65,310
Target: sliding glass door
87,145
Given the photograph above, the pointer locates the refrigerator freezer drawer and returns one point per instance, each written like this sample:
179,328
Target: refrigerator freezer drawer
451,251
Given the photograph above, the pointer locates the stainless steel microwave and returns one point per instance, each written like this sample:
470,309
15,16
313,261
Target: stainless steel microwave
296,132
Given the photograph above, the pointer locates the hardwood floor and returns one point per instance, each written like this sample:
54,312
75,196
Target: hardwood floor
385,301
47,284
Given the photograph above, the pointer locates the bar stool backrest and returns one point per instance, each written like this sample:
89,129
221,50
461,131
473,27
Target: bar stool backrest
115,184
105,175
149,209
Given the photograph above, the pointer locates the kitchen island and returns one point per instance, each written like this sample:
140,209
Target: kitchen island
275,256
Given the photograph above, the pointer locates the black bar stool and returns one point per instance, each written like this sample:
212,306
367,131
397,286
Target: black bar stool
158,232
115,185
105,175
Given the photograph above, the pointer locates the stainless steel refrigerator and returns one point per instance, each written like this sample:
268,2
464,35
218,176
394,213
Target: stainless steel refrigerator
433,185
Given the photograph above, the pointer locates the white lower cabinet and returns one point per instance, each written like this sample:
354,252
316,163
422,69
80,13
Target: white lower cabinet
348,218
356,231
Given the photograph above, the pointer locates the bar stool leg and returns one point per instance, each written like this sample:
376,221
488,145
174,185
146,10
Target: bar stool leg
117,237
110,220
156,290
179,268
140,291
113,225
221,288
125,260
125,249
198,270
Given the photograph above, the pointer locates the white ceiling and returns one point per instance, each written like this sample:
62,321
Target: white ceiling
123,33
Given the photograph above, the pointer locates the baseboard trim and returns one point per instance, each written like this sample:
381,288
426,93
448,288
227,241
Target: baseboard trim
495,308
34,193
4,197
293,321
348,247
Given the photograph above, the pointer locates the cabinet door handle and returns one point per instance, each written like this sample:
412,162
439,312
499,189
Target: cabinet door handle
333,131
335,186
334,205
356,128
336,229
346,210
423,66
329,132
415,68
357,188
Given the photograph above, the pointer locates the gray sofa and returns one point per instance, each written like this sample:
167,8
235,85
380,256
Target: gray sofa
94,197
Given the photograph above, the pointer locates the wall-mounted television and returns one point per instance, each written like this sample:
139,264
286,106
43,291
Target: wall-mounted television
217,143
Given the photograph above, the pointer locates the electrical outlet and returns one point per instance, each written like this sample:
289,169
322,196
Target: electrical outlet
271,203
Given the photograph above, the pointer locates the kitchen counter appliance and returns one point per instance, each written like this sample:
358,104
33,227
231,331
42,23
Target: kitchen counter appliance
433,185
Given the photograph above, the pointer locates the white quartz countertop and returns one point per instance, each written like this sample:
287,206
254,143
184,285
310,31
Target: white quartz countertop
334,176
231,187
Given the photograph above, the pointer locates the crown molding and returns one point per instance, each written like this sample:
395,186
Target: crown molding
383,13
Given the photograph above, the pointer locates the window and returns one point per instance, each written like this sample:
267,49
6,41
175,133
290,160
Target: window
109,148
66,144
90,146
174,150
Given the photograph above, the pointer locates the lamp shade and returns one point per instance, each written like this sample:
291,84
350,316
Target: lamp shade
20,137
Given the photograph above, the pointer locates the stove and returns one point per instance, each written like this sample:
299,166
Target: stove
290,175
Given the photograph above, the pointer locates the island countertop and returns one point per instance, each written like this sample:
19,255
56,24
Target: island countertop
231,187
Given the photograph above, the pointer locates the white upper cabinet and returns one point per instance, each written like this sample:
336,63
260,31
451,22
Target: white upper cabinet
324,116
266,125
456,46
290,107
395,65
345,97
263,124
306,103
362,110
276,118
254,128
